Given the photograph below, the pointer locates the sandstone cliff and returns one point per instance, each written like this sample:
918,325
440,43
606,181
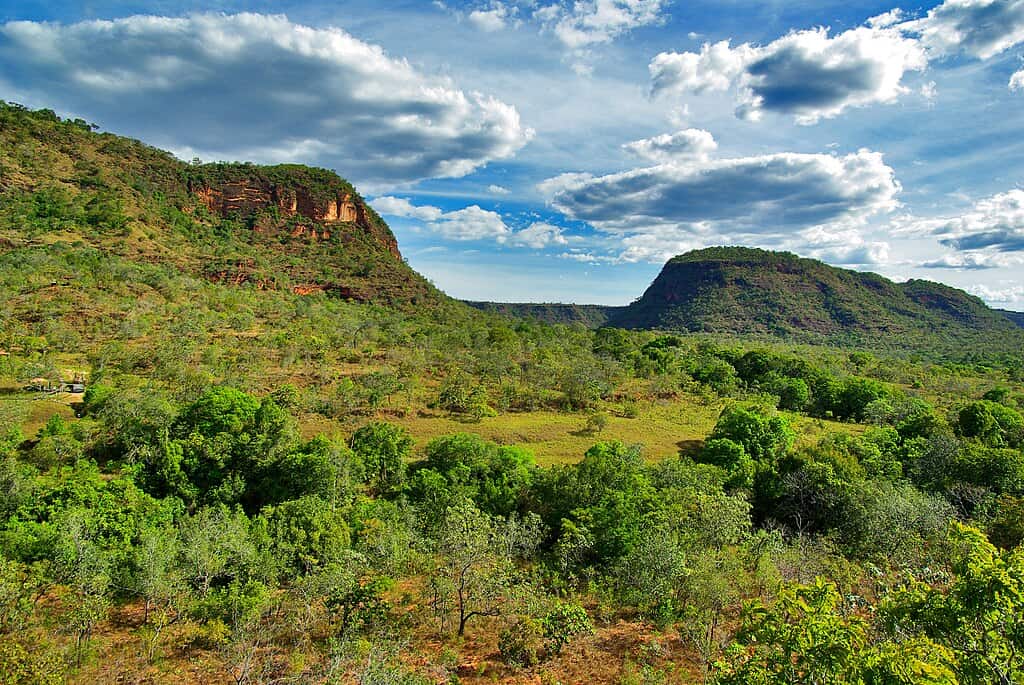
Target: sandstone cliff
314,204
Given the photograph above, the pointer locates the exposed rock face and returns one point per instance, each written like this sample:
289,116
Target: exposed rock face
250,198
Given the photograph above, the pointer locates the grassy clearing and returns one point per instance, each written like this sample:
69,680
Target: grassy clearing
663,428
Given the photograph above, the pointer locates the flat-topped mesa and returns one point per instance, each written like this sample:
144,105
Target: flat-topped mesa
747,291
264,195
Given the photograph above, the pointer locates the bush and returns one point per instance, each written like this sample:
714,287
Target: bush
521,641
27,664
596,422
563,623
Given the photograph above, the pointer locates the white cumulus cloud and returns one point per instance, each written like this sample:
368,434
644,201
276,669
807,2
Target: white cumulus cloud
811,203
472,223
995,222
811,74
840,245
492,19
974,261
691,143
766,193
260,87
1017,81
1007,295
399,206
979,28
539,235
808,74
582,23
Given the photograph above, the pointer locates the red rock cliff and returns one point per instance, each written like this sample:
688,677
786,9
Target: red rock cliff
249,198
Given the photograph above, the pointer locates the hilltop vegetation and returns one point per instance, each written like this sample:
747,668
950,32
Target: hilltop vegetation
749,291
267,481
64,186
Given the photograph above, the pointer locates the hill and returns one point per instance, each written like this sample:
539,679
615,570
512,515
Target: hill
749,291
588,315
287,227
1016,317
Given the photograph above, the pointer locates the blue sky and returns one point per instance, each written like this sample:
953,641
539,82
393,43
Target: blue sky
537,150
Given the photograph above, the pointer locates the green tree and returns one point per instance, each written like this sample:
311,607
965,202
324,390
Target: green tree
496,477
306,534
384,449
476,574
799,638
731,457
978,616
764,436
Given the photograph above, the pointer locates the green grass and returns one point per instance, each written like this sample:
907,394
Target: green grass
663,428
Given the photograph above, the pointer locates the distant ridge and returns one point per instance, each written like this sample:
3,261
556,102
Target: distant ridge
1016,317
589,315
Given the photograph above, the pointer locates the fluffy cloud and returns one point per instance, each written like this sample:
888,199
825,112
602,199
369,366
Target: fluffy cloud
1009,295
995,223
809,203
715,67
974,261
399,206
260,87
885,19
979,28
769,193
1017,81
691,143
471,223
539,235
807,74
498,190
583,23
492,19
812,75
656,245
840,245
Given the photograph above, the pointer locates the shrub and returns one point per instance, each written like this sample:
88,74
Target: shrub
563,623
521,641
596,422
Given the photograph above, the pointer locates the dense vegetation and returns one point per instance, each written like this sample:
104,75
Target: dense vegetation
265,486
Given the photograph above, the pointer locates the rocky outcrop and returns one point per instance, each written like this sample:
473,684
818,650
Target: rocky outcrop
341,291
245,199
237,274
268,204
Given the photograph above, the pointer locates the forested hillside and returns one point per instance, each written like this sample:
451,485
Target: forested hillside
241,441
69,192
749,291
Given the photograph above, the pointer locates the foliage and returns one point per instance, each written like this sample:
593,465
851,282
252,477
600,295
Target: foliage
979,617
383,449
476,575
520,643
563,623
